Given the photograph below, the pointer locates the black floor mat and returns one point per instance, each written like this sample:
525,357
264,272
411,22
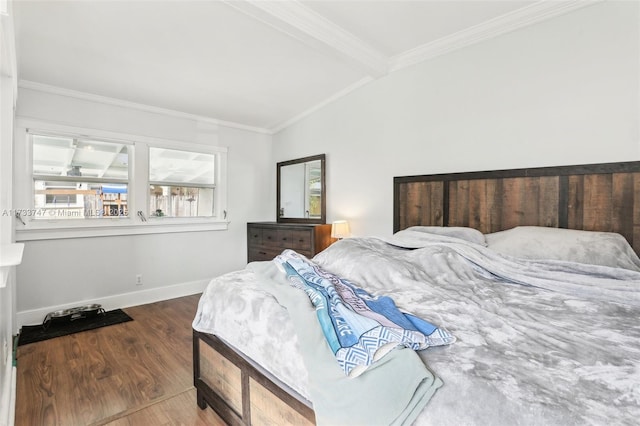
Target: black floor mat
37,333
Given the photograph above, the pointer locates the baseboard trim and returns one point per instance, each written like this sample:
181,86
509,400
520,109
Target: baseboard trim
124,300
12,396
7,394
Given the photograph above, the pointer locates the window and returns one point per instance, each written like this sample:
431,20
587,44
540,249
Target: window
79,178
113,184
181,183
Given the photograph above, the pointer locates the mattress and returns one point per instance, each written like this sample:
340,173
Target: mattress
537,341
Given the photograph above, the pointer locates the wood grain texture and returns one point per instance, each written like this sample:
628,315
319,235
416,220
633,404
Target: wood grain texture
593,197
108,374
420,203
223,377
275,402
606,202
177,411
267,409
266,240
491,205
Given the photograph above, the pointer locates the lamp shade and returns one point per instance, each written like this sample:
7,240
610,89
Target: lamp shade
340,229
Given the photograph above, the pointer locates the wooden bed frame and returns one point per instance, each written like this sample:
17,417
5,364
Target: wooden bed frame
594,197
239,390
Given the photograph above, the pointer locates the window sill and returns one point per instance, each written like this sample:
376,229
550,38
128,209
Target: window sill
46,231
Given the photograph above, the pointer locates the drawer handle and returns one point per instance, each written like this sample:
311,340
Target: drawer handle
284,239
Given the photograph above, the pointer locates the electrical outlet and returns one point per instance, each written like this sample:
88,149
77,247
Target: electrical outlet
139,279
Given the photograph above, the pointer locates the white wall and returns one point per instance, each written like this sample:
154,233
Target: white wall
564,91
69,272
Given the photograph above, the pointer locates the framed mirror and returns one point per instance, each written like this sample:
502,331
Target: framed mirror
301,190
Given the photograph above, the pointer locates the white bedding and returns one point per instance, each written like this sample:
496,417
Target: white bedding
537,342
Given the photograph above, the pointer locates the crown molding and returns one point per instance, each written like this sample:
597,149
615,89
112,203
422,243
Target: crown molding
301,22
276,128
520,18
46,88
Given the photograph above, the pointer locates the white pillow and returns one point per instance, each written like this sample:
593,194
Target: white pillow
463,233
538,243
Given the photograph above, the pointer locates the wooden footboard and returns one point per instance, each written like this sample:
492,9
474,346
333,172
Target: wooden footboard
239,390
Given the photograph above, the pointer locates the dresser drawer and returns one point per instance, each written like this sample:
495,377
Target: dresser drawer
266,240
300,239
254,236
295,239
262,253
284,238
270,237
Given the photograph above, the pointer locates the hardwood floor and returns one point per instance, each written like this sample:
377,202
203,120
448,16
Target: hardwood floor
135,373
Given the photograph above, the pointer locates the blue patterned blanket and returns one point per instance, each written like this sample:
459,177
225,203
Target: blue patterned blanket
360,328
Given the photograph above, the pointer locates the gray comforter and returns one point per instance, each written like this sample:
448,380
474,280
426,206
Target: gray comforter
538,343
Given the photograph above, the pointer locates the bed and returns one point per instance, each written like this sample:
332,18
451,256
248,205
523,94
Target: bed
533,271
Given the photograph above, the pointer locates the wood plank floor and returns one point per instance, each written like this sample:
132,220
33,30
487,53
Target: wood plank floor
136,373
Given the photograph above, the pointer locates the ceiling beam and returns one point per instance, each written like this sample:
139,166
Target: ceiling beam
299,21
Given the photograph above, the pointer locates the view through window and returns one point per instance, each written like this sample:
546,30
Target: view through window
181,183
86,178
79,179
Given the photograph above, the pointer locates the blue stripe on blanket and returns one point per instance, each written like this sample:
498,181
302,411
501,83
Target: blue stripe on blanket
355,323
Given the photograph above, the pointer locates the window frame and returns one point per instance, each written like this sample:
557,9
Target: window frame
138,188
182,184
76,179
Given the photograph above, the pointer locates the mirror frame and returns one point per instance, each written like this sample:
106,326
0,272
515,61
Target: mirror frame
323,203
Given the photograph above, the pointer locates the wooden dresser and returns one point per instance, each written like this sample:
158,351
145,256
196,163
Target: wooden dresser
266,240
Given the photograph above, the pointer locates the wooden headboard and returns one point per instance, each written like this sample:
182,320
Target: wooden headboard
592,197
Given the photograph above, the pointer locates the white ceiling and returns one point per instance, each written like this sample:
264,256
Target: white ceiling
255,64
